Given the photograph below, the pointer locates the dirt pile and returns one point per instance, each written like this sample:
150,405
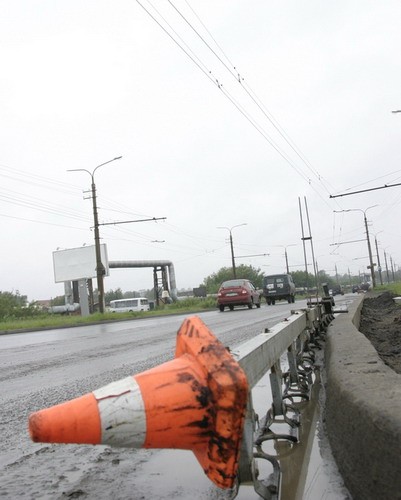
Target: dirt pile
381,324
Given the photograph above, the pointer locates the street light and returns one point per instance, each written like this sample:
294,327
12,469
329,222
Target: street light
371,265
231,244
100,270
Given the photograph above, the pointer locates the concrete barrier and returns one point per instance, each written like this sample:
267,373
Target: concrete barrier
363,411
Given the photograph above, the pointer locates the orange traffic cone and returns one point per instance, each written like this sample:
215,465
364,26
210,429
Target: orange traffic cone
196,401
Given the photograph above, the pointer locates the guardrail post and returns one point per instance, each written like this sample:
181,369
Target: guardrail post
292,363
295,336
276,383
246,470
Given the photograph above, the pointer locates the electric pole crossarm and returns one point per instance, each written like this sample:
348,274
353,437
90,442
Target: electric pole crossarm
344,242
254,255
130,221
365,190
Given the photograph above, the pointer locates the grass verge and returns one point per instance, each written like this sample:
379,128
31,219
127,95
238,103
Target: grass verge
391,287
47,321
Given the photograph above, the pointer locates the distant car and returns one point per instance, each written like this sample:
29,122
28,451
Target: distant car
237,292
355,288
337,290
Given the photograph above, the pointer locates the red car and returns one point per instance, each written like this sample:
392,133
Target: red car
237,292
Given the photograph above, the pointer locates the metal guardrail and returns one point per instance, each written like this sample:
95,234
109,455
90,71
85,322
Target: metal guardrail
296,337
202,401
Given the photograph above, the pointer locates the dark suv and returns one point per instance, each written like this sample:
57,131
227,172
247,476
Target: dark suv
237,292
278,287
337,290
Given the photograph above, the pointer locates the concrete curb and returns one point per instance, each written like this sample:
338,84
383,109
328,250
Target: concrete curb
363,411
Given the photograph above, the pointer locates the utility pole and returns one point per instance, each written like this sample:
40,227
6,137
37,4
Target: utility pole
286,260
232,256
304,238
100,270
378,262
230,229
371,264
392,268
286,256
385,260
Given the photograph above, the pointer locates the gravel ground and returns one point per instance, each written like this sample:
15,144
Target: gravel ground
381,324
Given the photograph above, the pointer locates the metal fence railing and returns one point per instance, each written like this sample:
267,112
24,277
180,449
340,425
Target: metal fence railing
202,401
290,342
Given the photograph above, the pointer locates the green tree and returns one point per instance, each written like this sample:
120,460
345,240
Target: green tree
58,301
302,279
15,305
113,295
325,278
213,281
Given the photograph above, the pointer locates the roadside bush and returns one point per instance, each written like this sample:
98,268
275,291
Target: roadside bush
392,287
14,306
193,302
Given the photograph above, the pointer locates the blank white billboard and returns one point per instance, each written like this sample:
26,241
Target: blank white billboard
75,264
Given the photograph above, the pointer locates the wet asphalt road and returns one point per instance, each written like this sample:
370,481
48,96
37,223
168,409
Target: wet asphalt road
41,369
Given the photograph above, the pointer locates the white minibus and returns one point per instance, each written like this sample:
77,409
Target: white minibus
129,305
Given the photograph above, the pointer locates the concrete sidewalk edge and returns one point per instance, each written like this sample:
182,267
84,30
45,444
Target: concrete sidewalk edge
363,411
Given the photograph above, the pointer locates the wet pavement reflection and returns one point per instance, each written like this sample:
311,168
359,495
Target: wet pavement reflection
308,470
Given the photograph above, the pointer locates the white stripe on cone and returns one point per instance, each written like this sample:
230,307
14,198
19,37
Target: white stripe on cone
122,413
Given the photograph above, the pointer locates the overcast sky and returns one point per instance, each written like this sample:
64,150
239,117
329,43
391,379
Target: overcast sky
240,111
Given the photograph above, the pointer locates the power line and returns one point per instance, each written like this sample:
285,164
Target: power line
24,200
174,40
250,92
234,102
37,180
41,222
225,92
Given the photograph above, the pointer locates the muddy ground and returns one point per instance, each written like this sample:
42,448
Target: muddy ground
381,324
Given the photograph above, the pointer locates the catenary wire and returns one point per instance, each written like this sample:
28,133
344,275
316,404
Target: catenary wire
226,94
240,109
237,76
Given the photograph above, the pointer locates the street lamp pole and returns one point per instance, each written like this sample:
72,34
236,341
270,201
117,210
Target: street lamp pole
286,254
371,265
387,273
286,260
372,269
100,270
378,259
230,229
392,268
286,257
